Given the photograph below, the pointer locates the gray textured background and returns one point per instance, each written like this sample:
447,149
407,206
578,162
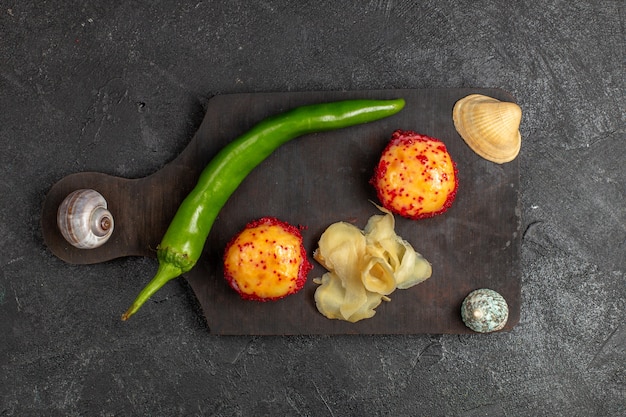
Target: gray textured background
120,87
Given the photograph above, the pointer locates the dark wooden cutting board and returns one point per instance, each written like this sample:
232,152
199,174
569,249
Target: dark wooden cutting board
312,182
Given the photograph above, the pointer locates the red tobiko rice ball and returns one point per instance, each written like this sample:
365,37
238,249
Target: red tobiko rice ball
266,261
415,176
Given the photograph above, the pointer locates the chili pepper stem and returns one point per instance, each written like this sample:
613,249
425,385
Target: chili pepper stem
165,273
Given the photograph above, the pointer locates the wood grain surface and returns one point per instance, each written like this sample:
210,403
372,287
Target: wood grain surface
312,182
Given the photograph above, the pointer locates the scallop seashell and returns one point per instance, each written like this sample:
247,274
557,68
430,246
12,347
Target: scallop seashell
84,220
484,311
490,127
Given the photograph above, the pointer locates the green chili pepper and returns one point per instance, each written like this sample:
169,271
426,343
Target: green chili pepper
185,237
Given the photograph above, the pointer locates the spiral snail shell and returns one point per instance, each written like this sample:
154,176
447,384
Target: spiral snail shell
84,220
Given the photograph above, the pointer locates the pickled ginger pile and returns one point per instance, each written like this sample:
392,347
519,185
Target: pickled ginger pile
364,267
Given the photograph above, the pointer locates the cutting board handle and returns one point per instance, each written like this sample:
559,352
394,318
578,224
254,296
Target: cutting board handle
141,208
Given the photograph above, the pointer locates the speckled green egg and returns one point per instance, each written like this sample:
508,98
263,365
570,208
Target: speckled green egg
484,311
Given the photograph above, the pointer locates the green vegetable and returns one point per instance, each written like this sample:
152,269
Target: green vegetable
185,237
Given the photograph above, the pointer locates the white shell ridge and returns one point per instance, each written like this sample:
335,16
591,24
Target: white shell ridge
84,220
484,311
